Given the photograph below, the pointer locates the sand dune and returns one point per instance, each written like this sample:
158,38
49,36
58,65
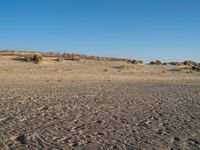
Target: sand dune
98,105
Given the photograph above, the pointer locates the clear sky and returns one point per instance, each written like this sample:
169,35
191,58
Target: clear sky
142,29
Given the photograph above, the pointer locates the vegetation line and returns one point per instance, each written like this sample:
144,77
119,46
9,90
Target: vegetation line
63,55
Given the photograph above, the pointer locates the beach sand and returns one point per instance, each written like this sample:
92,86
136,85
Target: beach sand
98,105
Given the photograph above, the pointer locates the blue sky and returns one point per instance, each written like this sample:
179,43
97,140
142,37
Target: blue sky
142,29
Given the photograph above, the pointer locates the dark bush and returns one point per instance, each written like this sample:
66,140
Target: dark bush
157,62
196,68
176,63
189,63
135,62
165,64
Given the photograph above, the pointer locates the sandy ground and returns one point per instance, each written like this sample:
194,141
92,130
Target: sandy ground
97,105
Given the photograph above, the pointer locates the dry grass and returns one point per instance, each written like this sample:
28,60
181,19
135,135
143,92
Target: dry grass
59,59
33,58
37,59
190,63
28,58
135,62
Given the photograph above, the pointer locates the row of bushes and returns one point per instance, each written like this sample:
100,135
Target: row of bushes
193,65
186,63
70,56
39,58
